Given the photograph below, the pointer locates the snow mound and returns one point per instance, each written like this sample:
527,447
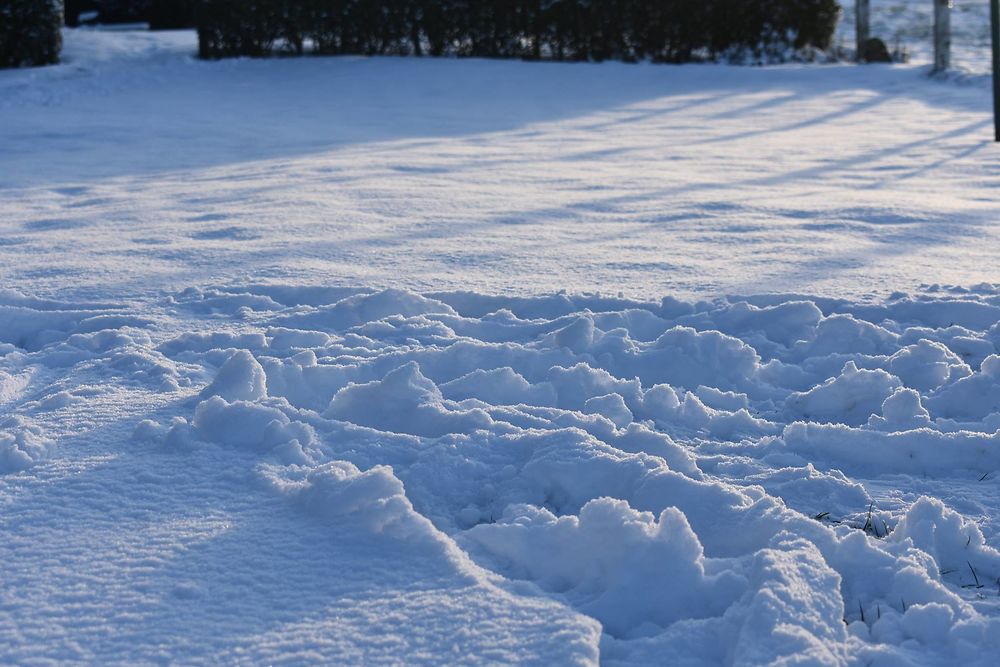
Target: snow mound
31,324
403,401
22,449
794,611
241,378
362,308
627,569
338,491
850,398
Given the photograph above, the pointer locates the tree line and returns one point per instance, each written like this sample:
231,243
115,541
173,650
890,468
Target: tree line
671,31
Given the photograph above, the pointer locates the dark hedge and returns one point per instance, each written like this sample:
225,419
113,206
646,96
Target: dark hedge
171,14
30,32
659,30
73,8
160,14
122,11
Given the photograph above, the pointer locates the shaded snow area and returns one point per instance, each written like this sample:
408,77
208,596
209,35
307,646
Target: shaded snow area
365,361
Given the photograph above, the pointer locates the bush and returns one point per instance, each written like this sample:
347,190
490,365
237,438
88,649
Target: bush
171,14
228,28
73,8
658,30
874,50
123,11
160,14
30,32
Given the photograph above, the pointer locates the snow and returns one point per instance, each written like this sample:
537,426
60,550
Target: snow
432,361
523,178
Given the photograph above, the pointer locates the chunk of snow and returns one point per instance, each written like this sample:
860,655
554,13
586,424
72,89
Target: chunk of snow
241,378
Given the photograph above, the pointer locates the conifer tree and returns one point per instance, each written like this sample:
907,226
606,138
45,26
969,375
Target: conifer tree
30,32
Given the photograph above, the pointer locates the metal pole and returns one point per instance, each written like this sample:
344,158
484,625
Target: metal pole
862,26
995,30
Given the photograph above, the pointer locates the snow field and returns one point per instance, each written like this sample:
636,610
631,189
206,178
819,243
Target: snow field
134,170
674,470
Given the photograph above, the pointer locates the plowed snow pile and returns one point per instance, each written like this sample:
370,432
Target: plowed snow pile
317,361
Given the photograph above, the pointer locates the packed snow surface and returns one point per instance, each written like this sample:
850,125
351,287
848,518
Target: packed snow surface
428,362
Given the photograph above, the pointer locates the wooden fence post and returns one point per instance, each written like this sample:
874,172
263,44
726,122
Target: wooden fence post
862,25
942,35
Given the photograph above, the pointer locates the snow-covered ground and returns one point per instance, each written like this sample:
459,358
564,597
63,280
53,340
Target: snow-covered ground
432,361
161,172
